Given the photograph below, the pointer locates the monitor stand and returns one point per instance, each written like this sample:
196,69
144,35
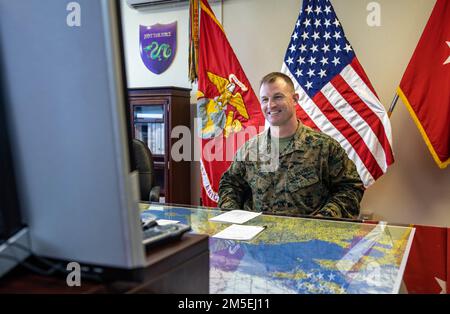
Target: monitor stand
12,251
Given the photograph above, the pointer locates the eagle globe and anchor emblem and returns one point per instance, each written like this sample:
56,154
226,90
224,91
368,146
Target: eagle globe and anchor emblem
213,112
157,45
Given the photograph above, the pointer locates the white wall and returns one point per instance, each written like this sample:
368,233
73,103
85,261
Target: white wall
414,190
137,73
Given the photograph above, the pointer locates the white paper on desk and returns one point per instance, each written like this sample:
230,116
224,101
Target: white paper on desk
235,216
155,207
163,222
239,232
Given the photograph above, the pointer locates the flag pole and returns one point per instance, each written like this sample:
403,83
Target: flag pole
391,108
193,39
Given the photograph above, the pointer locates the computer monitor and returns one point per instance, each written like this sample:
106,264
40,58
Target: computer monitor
12,231
64,91
10,218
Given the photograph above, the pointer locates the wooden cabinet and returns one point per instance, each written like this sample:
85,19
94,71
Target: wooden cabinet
154,112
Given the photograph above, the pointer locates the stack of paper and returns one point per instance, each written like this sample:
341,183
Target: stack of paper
235,216
239,232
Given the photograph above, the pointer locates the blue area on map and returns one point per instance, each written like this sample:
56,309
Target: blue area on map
289,259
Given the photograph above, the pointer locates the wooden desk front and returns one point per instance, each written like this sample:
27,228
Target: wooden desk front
177,267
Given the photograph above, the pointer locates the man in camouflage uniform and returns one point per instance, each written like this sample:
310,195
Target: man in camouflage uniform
290,168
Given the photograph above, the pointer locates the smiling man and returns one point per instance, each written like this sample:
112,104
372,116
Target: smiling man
313,175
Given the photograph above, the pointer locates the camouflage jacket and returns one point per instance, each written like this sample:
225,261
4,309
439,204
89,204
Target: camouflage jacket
312,176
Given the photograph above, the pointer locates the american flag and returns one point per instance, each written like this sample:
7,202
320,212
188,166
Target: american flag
336,96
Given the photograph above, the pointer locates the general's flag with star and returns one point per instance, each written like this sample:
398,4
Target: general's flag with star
425,86
428,267
336,96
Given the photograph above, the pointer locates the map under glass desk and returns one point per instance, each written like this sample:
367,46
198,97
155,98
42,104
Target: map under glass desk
299,255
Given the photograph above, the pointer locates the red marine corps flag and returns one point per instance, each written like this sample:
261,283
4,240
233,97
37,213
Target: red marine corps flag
425,86
226,103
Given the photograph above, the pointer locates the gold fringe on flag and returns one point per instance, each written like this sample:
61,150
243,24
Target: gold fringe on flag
193,39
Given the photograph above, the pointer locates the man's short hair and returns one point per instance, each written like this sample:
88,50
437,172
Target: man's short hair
272,77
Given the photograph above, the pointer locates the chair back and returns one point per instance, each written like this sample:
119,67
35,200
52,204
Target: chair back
144,165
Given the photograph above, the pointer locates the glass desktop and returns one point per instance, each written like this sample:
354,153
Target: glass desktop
299,254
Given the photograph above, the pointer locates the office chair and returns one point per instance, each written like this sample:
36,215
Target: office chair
144,165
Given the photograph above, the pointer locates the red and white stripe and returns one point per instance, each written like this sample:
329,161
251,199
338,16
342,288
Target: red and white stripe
348,110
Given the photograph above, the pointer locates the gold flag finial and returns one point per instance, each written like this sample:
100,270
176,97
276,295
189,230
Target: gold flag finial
193,39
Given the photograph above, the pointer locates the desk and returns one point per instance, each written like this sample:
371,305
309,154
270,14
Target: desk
300,255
